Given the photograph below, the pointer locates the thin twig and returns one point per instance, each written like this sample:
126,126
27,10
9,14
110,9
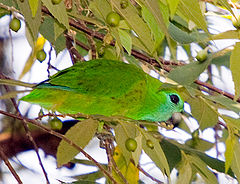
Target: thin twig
49,61
8,164
59,135
148,175
28,133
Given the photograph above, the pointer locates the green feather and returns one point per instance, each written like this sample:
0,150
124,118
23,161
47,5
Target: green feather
106,87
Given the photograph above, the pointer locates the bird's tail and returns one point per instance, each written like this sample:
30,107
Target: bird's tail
11,82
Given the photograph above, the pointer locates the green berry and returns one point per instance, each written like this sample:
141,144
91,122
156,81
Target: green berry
124,4
131,144
150,144
56,1
202,55
15,24
113,19
56,124
41,55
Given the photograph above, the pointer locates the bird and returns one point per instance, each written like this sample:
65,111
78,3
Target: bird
109,88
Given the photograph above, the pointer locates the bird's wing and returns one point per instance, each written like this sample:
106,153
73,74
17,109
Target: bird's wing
98,78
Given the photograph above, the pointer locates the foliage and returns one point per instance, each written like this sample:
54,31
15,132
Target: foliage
145,31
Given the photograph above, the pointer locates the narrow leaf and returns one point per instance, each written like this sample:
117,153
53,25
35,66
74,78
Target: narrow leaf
156,153
232,34
80,134
34,6
234,67
191,10
130,14
32,23
204,112
236,161
186,74
230,144
173,4
202,169
184,170
152,24
123,131
126,40
58,11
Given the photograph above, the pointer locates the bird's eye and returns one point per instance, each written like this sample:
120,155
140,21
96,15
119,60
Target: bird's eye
174,99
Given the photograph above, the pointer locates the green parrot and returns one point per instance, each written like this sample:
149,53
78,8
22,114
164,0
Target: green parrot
109,88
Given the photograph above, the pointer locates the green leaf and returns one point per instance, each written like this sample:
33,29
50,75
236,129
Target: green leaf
191,10
188,73
201,168
184,170
184,37
84,40
60,43
236,161
100,8
222,60
58,11
234,67
160,13
199,144
123,131
173,4
126,40
48,24
33,23
152,24
232,122
204,112
226,102
34,6
91,177
226,4
156,153
213,163
80,134
58,29
230,144
172,153
130,14
232,34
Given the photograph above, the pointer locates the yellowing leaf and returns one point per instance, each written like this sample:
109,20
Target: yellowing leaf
37,47
34,6
80,134
234,67
123,131
129,171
